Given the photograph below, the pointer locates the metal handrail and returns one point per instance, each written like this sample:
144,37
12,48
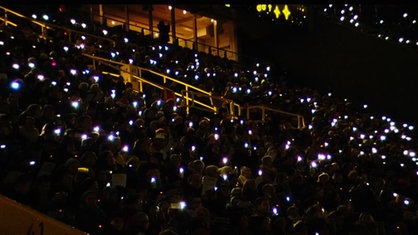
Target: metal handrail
206,46
232,106
185,93
300,118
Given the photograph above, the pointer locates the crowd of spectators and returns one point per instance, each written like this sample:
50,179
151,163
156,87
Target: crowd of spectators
88,150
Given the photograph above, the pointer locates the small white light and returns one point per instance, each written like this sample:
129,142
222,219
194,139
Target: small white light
45,17
153,180
183,205
83,137
75,104
405,15
342,18
34,16
73,21
400,39
225,177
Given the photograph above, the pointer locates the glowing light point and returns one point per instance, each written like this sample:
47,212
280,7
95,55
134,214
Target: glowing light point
277,11
286,12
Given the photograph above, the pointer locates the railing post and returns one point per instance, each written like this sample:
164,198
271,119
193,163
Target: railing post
140,80
165,94
187,101
5,17
44,32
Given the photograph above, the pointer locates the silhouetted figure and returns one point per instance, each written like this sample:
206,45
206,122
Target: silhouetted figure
164,29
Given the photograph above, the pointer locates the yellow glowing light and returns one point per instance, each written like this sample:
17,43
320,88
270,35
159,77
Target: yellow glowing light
277,11
228,5
263,7
258,7
270,6
286,12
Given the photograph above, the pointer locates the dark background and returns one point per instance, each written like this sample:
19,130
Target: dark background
340,59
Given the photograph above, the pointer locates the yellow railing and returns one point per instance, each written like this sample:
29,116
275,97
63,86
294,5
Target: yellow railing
188,93
183,42
46,26
233,108
6,21
301,124
191,95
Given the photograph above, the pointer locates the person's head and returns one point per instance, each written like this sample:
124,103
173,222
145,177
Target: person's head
262,206
140,222
246,172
